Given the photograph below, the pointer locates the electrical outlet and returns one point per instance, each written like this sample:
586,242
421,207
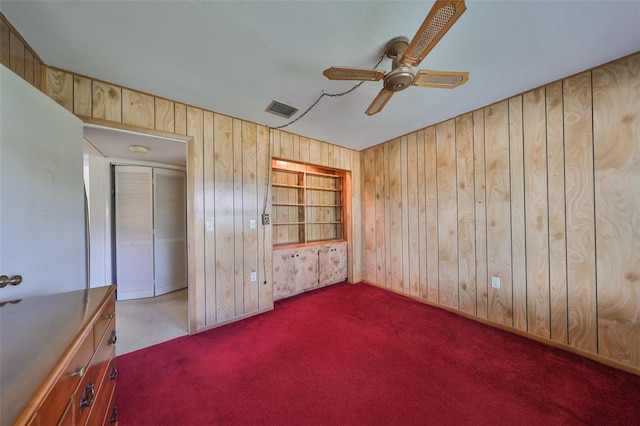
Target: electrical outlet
265,219
209,226
253,276
252,224
495,282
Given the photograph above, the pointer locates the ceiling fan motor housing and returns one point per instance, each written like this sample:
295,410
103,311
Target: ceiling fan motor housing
399,78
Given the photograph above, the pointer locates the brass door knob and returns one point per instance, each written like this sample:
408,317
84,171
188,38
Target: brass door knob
14,280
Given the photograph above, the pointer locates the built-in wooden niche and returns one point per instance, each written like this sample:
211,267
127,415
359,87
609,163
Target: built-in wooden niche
308,203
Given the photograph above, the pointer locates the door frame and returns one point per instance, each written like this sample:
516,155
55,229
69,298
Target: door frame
192,217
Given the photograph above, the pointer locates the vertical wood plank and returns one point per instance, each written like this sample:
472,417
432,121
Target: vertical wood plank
580,213
482,290
395,214
164,115
498,211
447,214
466,214
5,44
616,126
180,119
107,101
250,212
138,109
28,66
274,136
315,152
286,146
412,215
197,260
38,71
16,49
352,215
537,228
224,216
380,202
304,150
369,210
422,214
388,281
82,96
209,187
431,170
518,236
241,277
265,232
557,215
59,86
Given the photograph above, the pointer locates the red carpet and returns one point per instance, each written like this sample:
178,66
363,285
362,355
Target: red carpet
359,355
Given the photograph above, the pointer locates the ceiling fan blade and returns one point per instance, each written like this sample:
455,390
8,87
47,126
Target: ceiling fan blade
360,74
442,16
441,79
379,102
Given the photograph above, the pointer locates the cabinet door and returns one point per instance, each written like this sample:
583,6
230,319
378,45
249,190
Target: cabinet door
294,271
332,263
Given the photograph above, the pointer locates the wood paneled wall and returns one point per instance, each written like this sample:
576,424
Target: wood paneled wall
542,191
18,56
228,165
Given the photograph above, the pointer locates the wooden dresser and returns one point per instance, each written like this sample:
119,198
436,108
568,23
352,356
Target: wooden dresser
57,359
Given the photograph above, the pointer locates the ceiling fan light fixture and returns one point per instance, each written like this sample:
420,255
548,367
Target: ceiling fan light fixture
281,109
140,149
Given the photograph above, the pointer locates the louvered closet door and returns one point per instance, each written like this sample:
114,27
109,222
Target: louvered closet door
134,232
170,230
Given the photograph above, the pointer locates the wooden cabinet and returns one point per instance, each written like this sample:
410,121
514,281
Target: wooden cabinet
58,359
296,270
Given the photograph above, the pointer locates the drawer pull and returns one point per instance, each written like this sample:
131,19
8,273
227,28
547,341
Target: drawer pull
114,415
79,372
88,396
109,316
113,338
114,373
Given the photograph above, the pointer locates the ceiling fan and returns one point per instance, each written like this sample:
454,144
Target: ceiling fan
407,55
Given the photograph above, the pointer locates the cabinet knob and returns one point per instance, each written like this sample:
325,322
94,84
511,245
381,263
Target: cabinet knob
109,316
79,372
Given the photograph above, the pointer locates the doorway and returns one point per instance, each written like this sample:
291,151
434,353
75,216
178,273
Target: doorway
104,148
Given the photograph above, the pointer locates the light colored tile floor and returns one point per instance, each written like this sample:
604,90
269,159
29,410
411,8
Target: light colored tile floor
145,322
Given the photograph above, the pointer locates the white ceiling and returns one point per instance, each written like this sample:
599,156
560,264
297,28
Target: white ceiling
115,143
234,57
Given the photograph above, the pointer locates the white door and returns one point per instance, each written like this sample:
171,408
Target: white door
42,222
170,223
134,232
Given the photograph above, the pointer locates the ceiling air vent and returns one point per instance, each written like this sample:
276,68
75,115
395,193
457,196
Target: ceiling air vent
283,110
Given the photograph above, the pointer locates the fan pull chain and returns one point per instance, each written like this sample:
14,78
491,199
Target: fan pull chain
322,95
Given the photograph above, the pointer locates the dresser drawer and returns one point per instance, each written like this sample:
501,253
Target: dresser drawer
100,410
90,386
52,408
